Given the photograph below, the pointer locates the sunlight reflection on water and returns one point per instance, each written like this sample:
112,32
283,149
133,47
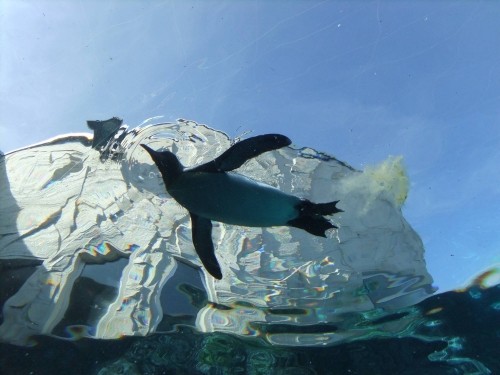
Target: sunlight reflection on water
107,202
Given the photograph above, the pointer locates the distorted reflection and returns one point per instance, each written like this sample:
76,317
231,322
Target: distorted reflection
91,245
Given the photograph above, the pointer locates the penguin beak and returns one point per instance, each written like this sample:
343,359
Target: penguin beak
148,149
154,154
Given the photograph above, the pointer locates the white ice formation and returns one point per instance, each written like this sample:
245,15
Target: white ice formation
71,202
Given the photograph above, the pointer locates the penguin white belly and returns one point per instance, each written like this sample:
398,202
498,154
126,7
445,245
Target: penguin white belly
234,199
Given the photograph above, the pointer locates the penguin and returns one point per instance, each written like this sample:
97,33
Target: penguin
212,192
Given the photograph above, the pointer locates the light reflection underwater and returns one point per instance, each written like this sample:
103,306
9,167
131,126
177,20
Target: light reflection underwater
435,340
108,203
121,263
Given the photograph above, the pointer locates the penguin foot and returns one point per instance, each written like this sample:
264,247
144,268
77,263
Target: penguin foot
316,225
311,217
308,208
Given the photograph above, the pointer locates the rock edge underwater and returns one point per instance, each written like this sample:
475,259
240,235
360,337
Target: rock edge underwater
82,207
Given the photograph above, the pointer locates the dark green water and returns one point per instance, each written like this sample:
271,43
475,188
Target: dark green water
458,334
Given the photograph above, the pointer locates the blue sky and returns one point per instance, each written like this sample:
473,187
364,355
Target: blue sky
360,80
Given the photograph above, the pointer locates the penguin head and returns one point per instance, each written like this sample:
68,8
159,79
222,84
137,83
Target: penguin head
168,164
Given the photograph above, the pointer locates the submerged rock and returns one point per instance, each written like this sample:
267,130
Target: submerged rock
71,208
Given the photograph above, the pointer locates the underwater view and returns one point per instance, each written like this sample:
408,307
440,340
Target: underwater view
249,187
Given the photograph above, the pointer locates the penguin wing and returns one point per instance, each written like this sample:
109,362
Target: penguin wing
235,156
202,240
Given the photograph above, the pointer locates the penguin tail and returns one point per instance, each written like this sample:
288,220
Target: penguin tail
311,218
309,208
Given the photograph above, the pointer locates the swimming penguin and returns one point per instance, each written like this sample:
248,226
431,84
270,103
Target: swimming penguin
209,193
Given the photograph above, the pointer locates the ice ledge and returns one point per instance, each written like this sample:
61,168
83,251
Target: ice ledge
78,200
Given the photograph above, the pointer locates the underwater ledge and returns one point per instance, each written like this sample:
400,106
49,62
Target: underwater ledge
98,205
117,261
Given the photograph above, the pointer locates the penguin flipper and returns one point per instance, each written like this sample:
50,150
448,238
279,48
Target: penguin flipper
202,240
235,156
